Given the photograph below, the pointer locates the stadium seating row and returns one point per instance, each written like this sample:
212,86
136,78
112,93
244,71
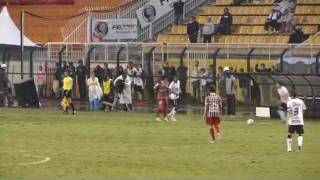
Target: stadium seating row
229,39
309,29
256,10
259,20
227,2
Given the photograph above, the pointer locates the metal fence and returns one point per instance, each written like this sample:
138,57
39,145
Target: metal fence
152,56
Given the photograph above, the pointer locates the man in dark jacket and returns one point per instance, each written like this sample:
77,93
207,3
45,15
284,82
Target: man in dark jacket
225,23
297,36
183,77
81,79
4,86
178,12
193,30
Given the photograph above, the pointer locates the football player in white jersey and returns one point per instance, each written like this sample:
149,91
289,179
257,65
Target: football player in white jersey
296,108
175,91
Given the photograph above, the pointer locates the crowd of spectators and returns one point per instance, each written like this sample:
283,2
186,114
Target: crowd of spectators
281,17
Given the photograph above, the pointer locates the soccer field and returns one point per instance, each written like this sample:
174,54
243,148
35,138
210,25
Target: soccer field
44,144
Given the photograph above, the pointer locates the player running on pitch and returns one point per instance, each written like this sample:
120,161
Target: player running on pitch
296,108
162,93
67,93
212,110
174,97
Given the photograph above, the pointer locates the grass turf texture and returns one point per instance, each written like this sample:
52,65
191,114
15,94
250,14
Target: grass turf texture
119,145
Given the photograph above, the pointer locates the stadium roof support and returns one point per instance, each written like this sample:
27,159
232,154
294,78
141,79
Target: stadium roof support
10,34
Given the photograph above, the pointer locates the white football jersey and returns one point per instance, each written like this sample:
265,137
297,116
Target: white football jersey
295,108
175,90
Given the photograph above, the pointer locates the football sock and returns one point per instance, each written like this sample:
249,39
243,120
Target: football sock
289,142
212,134
72,107
300,140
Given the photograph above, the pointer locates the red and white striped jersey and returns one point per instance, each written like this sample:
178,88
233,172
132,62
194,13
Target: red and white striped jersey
214,104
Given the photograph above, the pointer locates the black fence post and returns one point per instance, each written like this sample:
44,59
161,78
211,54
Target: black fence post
249,58
88,59
60,57
182,55
150,81
317,63
214,64
118,59
31,63
281,58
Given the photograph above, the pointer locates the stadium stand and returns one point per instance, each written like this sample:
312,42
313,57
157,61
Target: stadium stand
45,30
248,22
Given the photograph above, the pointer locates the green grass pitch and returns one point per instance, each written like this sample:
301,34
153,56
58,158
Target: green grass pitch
119,145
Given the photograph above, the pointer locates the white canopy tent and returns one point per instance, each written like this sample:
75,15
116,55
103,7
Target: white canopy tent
9,33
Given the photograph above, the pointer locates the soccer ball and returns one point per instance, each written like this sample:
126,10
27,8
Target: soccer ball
250,121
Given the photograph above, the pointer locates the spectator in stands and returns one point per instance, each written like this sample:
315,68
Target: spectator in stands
65,67
297,36
166,70
57,81
81,73
193,29
244,83
72,73
107,71
203,84
131,71
172,73
262,68
4,86
95,92
231,86
221,82
286,5
99,73
182,77
178,12
237,2
41,82
225,23
272,24
139,83
208,30
195,79
210,78
287,21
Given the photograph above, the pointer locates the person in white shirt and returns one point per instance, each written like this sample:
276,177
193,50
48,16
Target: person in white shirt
231,87
284,98
195,79
208,30
95,92
123,87
174,96
138,82
296,108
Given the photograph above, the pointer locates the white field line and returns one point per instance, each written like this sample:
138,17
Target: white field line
44,160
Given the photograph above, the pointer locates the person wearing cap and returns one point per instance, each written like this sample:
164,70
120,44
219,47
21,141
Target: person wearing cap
4,86
231,86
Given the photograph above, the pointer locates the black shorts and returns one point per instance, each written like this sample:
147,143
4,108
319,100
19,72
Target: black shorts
107,98
296,129
138,89
67,93
173,103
